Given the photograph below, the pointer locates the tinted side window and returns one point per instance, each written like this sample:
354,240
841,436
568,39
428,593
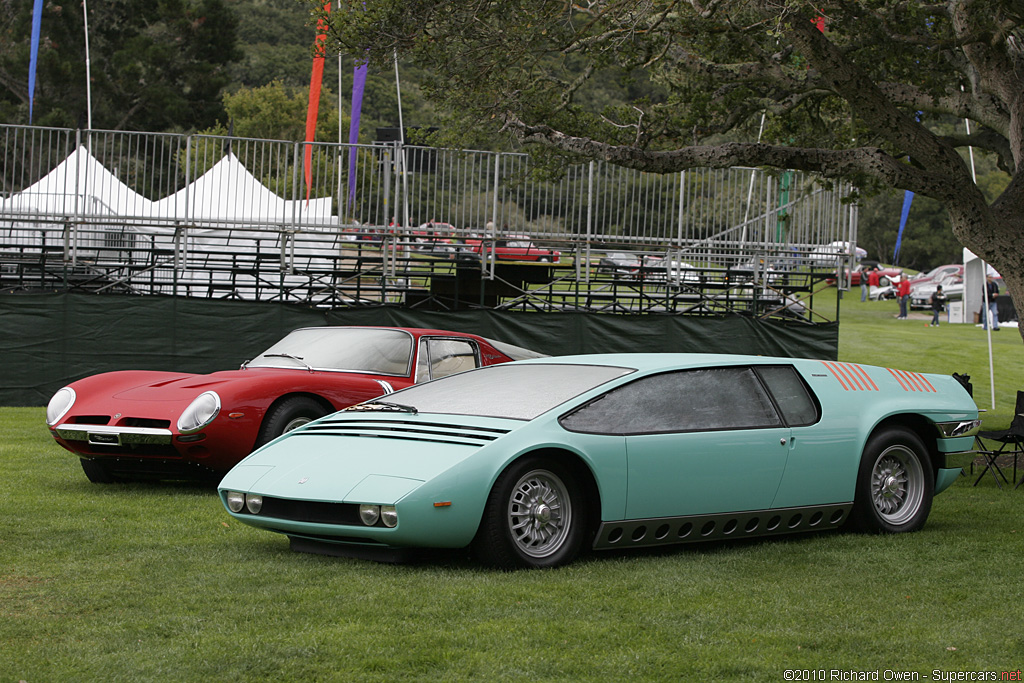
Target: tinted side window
791,394
443,357
688,400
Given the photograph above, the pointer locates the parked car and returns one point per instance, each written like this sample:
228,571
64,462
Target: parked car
659,269
514,248
886,275
921,293
938,273
620,264
140,424
829,254
530,463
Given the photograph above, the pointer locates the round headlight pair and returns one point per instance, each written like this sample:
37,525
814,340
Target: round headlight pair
199,413
238,500
370,514
59,405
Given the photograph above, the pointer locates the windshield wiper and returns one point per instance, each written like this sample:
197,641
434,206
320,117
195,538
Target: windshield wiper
290,356
385,406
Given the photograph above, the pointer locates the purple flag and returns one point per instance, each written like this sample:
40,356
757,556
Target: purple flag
358,84
37,20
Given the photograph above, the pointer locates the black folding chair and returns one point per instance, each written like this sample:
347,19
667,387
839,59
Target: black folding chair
1011,442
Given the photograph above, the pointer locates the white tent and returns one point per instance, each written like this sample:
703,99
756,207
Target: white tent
229,193
79,185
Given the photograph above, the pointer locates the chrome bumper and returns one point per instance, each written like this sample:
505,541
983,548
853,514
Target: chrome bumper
104,435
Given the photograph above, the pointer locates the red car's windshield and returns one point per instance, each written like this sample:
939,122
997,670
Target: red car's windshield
375,351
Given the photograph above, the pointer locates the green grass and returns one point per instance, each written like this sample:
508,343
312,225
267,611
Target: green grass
140,583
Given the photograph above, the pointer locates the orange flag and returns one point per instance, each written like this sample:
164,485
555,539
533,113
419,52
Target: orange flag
314,99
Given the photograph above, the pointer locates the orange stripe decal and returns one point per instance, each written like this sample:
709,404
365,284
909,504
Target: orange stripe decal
851,376
896,374
930,387
912,381
868,382
836,375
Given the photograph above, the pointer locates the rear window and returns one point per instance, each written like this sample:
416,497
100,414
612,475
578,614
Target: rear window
518,392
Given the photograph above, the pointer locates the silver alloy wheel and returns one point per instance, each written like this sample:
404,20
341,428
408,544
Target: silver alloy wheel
539,513
897,484
296,423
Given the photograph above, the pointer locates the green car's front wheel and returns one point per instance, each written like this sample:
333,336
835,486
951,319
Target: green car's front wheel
895,484
534,517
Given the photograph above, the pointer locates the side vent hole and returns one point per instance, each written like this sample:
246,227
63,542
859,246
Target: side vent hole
816,518
615,535
730,526
836,516
685,530
639,533
774,523
707,529
662,532
795,520
752,525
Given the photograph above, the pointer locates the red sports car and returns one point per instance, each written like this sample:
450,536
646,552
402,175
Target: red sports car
133,425
514,248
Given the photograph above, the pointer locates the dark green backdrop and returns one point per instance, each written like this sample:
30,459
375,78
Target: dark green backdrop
49,340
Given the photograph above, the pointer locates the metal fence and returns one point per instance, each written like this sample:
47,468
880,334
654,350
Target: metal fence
159,213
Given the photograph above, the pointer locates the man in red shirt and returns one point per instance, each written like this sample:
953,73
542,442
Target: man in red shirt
873,277
903,294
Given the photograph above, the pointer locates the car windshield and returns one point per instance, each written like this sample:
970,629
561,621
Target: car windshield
518,392
353,349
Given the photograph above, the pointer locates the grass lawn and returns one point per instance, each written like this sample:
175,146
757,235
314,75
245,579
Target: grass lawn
140,583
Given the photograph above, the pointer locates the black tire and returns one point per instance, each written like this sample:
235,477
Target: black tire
535,517
287,415
97,472
895,484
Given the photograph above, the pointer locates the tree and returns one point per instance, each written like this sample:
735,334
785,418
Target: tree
849,88
155,66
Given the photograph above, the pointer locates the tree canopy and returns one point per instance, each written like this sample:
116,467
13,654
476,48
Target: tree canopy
857,89
154,66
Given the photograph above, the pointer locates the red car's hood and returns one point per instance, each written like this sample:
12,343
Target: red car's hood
172,387
166,387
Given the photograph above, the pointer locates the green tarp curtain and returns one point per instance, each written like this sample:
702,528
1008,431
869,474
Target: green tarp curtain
49,340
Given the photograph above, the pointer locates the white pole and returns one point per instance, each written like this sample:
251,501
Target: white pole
401,139
88,73
986,319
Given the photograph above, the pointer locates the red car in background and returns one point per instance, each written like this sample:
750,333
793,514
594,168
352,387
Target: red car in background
133,425
514,248
886,276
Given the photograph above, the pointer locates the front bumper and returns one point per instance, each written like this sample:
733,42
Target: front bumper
107,436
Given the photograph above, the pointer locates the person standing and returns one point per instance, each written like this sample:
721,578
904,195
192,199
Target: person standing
874,277
903,294
938,303
992,291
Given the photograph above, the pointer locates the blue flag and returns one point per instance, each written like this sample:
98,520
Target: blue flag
37,20
907,199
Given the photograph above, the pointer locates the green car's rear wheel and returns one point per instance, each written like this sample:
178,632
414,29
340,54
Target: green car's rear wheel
534,517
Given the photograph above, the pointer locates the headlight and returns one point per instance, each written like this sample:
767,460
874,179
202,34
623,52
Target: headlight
389,515
199,413
236,501
59,405
369,514
254,503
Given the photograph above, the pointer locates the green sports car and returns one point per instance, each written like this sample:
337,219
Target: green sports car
530,463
